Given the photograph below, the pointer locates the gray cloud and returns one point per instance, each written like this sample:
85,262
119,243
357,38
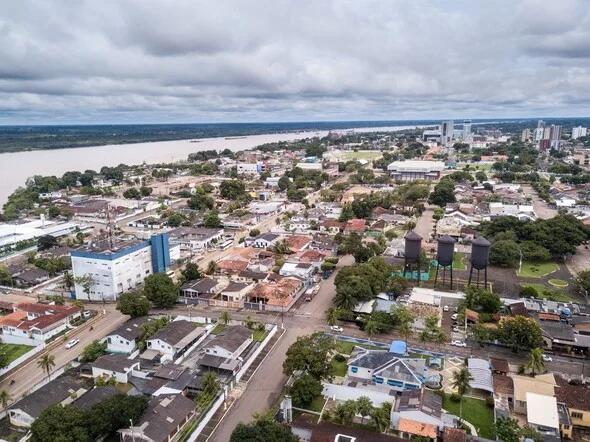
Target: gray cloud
272,60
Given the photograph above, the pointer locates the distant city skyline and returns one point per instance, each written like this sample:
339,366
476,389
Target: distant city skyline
278,61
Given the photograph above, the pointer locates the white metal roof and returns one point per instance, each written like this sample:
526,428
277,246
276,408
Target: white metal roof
542,410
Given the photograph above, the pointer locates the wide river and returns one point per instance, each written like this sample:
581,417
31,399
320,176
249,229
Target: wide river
16,167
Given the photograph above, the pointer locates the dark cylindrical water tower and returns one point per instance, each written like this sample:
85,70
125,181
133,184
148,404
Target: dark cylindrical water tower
444,257
480,254
413,247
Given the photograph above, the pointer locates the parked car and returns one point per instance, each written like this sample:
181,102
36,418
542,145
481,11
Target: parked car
547,358
458,343
337,329
87,314
454,316
72,343
456,329
446,308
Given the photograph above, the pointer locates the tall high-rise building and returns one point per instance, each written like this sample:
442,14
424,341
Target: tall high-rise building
540,124
446,133
526,135
578,132
466,130
555,132
539,132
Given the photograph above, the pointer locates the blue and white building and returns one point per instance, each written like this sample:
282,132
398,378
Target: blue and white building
118,269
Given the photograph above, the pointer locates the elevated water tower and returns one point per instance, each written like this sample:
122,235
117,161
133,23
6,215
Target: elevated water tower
480,256
444,258
412,249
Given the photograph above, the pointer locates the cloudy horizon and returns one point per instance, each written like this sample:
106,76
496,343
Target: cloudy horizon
192,61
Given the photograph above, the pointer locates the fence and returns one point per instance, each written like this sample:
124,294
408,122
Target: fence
254,355
22,359
204,419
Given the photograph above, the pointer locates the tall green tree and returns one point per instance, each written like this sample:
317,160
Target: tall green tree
461,382
310,354
5,399
191,272
112,414
520,333
264,429
63,423
404,318
93,351
304,390
160,290
134,304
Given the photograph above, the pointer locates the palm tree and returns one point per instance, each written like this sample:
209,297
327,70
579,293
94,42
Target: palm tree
460,381
68,281
345,299
364,407
332,316
225,317
536,363
282,248
345,412
5,399
381,416
371,328
211,267
47,362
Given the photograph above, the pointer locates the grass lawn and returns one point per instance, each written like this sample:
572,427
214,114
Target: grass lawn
363,155
458,261
556,295
476,412
259,335
339,368
558,283
14,351
346,347
537,269
317,404
218,329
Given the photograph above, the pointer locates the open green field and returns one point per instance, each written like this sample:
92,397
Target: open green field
476,412
259,335
368,155
556,295
537,269
14,351
317,404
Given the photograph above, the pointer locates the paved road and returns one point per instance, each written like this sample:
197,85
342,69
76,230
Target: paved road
540,206
30,374
267,384
425,224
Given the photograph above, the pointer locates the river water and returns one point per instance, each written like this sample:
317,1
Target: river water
16,167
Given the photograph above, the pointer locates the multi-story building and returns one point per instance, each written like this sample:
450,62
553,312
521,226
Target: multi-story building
103,272
413,170
578,132
466,130
446,133
526,135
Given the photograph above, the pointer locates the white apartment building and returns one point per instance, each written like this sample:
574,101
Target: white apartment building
413,170
112,271
578,132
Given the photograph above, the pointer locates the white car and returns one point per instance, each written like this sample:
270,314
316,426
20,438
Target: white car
446,308
454,316
458,343
72,343
456,329
547,358
337,329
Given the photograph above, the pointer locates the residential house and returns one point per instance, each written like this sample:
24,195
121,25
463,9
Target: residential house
230,343
418,413
542,415
235,291
175,339
355,226
200,290
264,241
388,369
164,418
577,399
309,430
116,366
61,390
541,385
297,243
195,238
300,270
280,293
124,339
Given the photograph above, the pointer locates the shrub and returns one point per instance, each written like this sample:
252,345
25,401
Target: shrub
339,358
490,401
455,397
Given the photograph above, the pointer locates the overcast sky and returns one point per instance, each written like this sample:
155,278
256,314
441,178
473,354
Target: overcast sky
291,60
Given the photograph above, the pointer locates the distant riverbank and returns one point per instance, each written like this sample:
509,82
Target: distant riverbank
16,167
